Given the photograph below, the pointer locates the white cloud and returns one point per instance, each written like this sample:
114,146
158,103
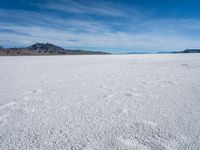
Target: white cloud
72,6
137,41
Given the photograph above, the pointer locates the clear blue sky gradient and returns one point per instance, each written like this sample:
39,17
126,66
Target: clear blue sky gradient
109,25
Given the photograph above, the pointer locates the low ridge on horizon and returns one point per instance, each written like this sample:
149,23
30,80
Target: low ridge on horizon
51,49
45,49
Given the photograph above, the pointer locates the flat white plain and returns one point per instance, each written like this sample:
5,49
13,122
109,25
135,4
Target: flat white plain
100,102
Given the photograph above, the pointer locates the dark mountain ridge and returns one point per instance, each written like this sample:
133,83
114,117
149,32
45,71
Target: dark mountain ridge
189,51
46,49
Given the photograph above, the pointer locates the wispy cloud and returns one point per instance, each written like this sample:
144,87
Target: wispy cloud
80,7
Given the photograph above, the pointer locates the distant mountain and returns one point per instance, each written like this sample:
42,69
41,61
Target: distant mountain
46,49
1,47
189,51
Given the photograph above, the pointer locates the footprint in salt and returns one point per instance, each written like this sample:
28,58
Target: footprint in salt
26,98
118,102
129,94
169,82
29,110
3,119
125,111
151,123
37,91
132,143
133,94
47,80
108,97
103,86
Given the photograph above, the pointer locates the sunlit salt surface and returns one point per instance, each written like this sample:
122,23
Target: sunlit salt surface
100,102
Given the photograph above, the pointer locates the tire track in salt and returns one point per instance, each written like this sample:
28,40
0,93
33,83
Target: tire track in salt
3,118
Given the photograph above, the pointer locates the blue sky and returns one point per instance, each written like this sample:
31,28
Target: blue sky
109,25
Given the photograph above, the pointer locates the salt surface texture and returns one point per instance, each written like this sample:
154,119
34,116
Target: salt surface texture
100,102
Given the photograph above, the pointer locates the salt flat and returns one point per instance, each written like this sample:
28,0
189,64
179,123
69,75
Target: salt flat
100,102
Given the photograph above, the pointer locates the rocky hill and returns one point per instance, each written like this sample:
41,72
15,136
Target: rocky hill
189,51
45,49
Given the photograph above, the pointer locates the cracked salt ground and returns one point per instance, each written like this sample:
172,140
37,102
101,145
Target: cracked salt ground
122,102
